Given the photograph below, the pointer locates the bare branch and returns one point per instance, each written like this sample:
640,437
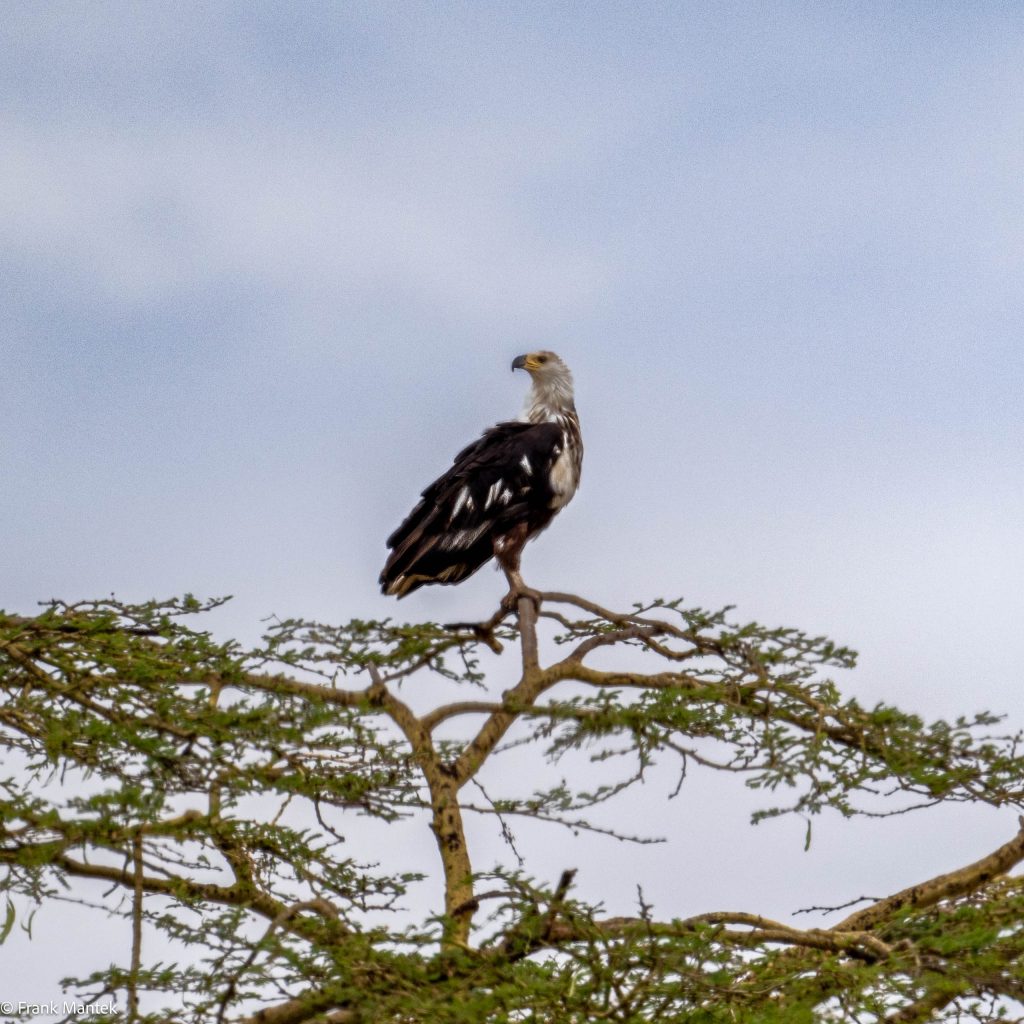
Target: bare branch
942,887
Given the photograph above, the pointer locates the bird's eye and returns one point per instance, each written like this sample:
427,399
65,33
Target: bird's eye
542,359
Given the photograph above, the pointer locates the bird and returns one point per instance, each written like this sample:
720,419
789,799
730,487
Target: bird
501,491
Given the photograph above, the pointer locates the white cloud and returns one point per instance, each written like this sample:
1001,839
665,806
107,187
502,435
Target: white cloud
139,218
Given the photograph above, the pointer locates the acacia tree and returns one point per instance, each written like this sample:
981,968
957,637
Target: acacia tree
203,791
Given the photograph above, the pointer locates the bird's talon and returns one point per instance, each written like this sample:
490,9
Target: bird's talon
510,602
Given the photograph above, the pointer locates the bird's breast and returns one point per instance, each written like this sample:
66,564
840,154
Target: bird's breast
564,478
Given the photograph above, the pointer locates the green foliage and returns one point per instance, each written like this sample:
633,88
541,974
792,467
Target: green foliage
204,791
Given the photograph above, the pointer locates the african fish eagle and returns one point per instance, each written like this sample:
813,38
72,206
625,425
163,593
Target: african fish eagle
501,491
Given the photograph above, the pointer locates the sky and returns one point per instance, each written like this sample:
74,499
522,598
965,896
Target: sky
264,267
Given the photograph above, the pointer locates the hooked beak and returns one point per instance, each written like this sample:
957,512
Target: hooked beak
519,363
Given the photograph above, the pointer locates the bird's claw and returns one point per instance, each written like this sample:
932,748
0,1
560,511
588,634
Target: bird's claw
510,602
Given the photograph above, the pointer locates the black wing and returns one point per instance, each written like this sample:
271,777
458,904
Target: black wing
496,484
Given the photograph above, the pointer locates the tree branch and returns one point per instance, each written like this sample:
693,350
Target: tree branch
942,887
763,931
136,963
312,1005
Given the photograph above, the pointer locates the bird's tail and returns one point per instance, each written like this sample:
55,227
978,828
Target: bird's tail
425,550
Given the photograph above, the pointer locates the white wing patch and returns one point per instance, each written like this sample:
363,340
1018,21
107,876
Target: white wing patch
494,492
462,538
525,463
463,499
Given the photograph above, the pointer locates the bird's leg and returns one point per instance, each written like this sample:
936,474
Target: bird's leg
507,550
520,598
517,589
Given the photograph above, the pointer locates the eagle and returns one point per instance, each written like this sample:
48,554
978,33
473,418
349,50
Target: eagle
501,491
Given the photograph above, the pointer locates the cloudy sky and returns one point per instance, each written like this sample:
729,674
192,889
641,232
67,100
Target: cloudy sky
263,268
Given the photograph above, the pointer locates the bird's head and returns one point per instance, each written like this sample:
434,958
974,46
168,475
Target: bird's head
540,364
552,381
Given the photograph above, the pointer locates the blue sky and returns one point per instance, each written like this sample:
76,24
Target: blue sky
263,269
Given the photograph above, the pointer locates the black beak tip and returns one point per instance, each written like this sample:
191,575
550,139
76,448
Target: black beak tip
519,363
